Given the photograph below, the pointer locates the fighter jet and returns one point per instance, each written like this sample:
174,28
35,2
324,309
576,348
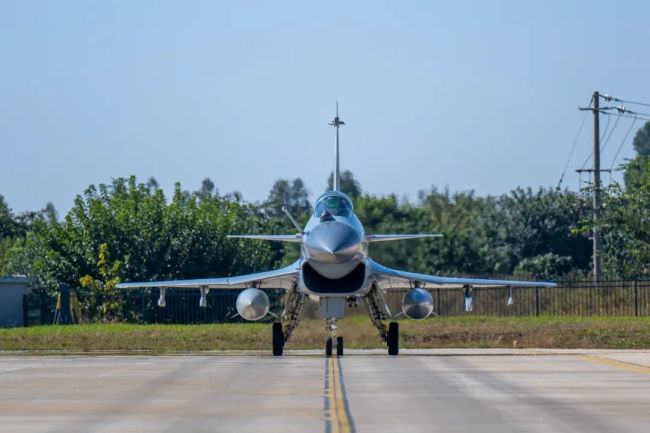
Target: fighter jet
335,268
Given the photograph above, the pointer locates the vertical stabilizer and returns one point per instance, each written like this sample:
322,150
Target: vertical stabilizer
336,183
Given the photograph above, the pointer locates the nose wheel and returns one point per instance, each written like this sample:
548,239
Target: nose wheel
329,346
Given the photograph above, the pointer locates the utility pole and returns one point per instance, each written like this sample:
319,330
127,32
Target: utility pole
596,231
596,194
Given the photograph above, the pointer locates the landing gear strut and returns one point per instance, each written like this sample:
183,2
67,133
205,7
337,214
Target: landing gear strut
288,321
390,334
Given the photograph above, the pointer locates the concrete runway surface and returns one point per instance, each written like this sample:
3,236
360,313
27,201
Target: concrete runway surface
365,391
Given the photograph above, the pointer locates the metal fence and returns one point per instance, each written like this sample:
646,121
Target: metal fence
570,298
141,306
182,306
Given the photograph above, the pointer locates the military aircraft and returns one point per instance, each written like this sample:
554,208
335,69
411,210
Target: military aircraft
334,267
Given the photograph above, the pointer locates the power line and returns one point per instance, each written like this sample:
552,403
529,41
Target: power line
618,115
620,109
612,98
622,143
573,147
628,116
637,113
604,145
601,139
606,129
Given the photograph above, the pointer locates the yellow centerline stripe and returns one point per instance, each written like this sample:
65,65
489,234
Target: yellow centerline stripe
339,420
636,368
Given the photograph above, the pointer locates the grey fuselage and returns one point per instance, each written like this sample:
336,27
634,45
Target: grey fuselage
334,250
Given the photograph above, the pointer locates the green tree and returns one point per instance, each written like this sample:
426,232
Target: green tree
460,218
207,186
152,184
637,172
624,223
349,184
292,194
13,229
545,267
529,224
388,215
150,238
642,140
103,301
10,226
482,235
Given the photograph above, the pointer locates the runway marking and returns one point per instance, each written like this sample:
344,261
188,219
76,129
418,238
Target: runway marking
338,418
636,368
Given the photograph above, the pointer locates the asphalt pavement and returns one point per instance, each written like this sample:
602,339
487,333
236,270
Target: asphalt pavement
364,391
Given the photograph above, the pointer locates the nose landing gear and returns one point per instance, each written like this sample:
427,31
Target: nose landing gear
329,341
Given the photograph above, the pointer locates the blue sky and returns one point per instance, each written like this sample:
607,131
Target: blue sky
476,95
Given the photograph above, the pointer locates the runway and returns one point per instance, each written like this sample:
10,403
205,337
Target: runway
364,391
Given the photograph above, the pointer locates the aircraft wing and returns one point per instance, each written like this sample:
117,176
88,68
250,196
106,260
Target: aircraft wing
387,278
283,278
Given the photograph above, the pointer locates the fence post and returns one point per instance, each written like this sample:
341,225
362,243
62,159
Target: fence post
142,304
536,301
438,301
25,311
636,299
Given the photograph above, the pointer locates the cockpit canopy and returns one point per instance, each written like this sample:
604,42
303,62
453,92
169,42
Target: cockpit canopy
335,203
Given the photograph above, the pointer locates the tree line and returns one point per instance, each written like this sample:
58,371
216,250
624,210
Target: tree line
130,230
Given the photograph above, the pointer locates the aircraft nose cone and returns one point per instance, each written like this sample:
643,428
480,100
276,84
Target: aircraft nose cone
333,242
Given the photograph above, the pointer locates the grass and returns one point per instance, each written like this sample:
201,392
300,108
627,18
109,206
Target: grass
461,331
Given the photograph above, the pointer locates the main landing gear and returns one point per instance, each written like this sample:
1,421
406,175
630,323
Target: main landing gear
278,339
283,329
392,338
374,302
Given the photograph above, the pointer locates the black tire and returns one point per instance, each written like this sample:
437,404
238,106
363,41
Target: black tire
393,338
339,346
278,339
328,347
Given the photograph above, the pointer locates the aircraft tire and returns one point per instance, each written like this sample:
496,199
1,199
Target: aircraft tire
328,347
393,338
278,339
339,346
